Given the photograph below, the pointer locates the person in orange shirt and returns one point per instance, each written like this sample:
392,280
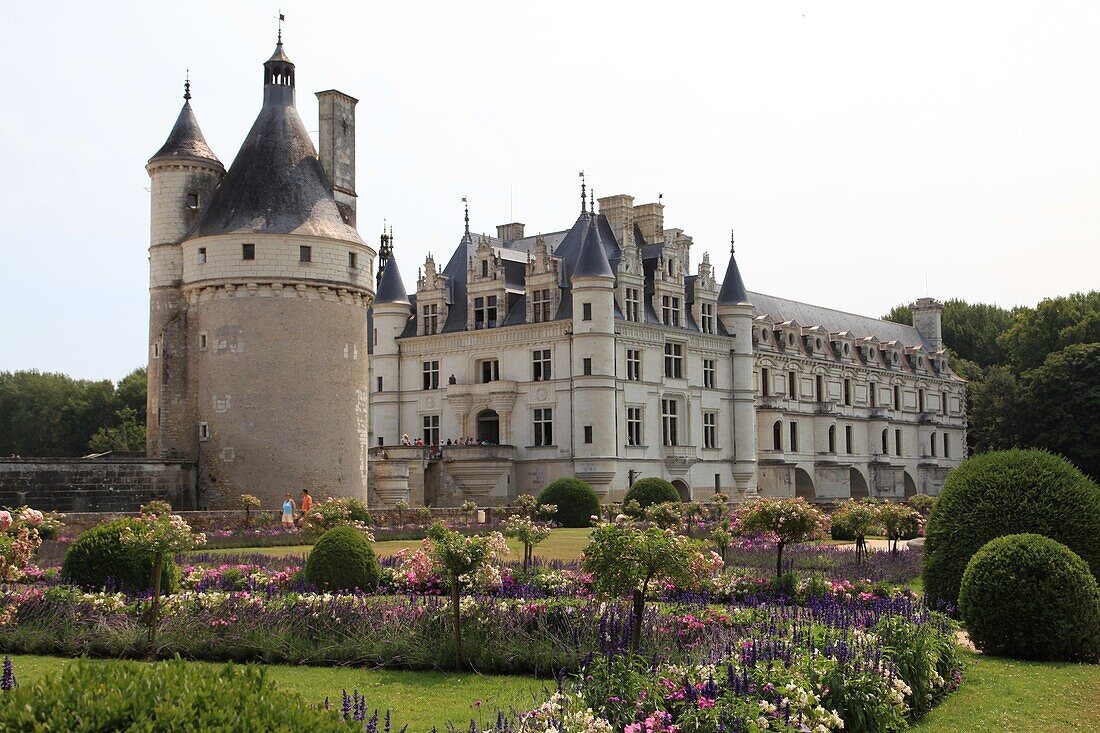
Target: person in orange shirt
307,504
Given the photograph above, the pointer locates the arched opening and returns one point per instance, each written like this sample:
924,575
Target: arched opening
488,427
910,486
832,438
858,484
682,489
777,435
804,485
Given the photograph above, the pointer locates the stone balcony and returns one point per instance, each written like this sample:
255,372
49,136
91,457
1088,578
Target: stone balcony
824,408
928,418
771,402
679,458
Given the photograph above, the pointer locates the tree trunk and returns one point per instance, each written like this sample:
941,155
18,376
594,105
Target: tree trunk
158,564
526,557
639,611
456,600
779,558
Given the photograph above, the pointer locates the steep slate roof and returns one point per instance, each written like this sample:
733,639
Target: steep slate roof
733,287
834,321
186,139
592,257
391,289
276,184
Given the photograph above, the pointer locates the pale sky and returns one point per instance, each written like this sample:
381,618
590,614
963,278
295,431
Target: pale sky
865,153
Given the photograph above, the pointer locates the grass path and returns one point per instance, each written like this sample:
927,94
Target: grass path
420,699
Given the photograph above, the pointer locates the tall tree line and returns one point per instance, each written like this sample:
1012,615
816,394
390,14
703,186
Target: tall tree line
47,414
1034,374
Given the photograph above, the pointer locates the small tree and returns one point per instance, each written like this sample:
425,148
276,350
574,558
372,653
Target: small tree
249,502
899,521
790,521
624,559
527,532
861,518
460,558
526,504
162,536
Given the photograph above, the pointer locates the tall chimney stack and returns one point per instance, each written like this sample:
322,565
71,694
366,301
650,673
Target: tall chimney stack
336,136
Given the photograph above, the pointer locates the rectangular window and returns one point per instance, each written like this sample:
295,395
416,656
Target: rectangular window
920,401
353,261
897,397
674,361
305,253
706,311
248,251
897,441
485,268
946,447
202,255
431,374
544,426
832,438
792,385
710,429
634,364
540,365
874,394
431,430
202,341
670,310
670,422
932,443
633,426
819,387
541,308
587,433
586,309
485,312
587,366
204,431
430,319
765,377
709,373
794,437
380,384
489,371
633,304
848,439
943,403
156,349
847,391
193,201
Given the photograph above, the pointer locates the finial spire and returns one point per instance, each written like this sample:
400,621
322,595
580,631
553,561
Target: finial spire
281,19
592,200
466,206
187,86
583,210
731,241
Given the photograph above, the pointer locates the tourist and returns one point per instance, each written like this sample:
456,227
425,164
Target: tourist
405,439
307,504
288,510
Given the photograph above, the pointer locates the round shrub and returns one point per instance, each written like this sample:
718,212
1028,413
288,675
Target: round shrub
98,559
576,502
651,490
1029,597
1002,493
343,559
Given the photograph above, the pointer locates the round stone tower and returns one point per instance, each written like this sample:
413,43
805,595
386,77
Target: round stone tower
183,174
735,311
276,283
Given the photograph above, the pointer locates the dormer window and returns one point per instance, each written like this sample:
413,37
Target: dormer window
706,311
670,268
633,301
541,305
485,312
485,268
670,310
764,335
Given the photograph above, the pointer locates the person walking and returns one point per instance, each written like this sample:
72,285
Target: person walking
288,510
307,504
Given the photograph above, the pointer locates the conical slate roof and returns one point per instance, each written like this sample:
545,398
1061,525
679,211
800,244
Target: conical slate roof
592,259
276,184
733,287
186,139
391,288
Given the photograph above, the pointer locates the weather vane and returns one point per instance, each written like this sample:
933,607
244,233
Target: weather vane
281,19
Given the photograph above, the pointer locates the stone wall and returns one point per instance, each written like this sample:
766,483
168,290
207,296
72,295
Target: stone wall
95,484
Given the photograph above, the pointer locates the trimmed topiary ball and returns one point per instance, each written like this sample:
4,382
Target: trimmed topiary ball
576,502
343,559
651,490
1029,597
1008,492
98,560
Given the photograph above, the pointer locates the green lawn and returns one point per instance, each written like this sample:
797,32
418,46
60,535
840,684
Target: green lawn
1008,696
563,544
420,699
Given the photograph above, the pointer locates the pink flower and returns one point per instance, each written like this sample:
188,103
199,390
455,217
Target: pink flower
5,520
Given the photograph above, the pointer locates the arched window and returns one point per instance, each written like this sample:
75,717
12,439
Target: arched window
932,442
885,442
832,438
777,435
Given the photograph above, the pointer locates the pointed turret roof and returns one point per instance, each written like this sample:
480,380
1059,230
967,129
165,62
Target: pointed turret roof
592,258
276,184
391,288
186,139
733,287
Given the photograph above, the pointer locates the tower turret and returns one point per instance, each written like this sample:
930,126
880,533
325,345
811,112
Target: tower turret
735,312
391,313
183,175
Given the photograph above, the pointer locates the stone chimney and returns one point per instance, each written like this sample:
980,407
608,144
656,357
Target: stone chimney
928,320
336,138
510,232
619,211
650,218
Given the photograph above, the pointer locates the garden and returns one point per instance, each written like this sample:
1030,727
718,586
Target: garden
562,614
